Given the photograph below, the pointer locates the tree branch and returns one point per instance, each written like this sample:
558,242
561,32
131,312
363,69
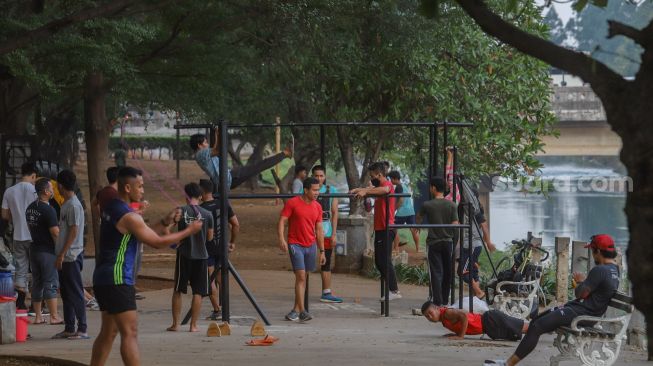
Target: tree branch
590,70
55,26
616,28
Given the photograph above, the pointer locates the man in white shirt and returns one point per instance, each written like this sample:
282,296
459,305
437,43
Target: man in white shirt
14,204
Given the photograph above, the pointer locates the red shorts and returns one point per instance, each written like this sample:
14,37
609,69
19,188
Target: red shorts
327,243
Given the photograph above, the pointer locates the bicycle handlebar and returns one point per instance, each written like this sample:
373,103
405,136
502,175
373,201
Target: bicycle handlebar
523,244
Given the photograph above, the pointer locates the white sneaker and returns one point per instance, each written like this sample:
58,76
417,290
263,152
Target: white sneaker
494,363
393,296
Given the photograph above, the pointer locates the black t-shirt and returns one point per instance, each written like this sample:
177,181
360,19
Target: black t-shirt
40,218
213,206
601,283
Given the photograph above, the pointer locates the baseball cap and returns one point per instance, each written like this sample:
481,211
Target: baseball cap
601,242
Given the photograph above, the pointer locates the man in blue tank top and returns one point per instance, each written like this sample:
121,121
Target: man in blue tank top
113,279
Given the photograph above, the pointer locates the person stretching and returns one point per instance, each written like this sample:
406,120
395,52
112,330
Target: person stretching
494,323
207,157
593,295
304,217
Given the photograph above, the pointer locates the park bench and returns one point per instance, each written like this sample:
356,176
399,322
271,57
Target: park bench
595,340
517,304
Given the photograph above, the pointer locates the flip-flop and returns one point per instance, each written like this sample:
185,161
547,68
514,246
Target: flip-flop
56,323
267,341
39,323
63,335
402,243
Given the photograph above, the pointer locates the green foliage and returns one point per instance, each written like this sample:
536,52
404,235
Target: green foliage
413,275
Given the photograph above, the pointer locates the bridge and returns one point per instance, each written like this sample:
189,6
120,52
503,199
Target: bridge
582,124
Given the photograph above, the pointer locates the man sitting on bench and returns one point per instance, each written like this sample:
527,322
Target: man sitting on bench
593,296
494,323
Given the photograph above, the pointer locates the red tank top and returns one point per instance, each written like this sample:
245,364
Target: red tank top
474,325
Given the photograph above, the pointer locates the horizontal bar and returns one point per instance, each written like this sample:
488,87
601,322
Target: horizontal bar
291,195
309,124
429,226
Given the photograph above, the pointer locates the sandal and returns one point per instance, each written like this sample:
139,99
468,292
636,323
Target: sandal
38,323
267,341
63,335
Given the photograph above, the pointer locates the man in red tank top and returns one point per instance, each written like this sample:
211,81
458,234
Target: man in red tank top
494,323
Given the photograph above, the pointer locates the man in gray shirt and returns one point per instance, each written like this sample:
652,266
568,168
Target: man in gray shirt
191,263
69,249
14,203
298,182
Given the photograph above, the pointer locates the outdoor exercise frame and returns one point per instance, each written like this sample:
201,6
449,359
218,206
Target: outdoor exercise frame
223,127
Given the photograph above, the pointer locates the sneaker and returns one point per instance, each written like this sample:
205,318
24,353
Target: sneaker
138,296
92,305
393,296
330,298
79,335
215,315
305,316
292,316
494,363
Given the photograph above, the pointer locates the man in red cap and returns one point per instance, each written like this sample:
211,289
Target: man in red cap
593,295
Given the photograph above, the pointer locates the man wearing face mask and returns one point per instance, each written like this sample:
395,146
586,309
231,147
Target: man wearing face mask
381,186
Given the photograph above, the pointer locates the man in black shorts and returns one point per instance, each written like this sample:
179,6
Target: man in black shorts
113,278
593,295
213,247
191,262
493,323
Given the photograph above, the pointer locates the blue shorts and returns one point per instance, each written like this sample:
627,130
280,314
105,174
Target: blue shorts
405,220
302,258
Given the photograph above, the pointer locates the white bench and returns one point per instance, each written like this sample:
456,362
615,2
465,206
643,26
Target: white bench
517,305
597,341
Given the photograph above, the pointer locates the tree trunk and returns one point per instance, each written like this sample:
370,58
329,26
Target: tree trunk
97,140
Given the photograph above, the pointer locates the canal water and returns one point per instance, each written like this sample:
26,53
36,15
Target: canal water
584,201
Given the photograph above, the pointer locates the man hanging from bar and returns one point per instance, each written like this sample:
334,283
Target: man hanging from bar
207,157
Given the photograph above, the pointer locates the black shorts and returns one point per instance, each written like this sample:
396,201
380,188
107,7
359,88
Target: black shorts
326,267
115,299
194,271
498,325
214,261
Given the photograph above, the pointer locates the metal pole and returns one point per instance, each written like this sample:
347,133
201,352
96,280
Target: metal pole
461,268
471,257
445,142
178,148
436,151
322,146
224,204
388,260
453,196
431,153
249,295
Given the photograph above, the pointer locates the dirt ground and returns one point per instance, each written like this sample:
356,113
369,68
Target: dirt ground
256,246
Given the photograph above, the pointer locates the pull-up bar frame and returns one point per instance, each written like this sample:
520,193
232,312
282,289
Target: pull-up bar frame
223,127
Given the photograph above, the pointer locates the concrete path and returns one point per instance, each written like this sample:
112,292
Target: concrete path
349,334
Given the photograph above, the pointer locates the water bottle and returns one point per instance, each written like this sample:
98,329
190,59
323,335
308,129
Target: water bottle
6,284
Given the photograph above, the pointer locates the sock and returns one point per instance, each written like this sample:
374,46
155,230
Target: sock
326,291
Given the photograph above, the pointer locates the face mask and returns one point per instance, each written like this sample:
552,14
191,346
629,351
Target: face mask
376,182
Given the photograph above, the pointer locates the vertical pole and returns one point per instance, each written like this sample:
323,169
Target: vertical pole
470,216
322,146
178,148
461,267
436,151
454,185
431,156
562,268
388,260
224,204
433,166
445,142
277,141
306,293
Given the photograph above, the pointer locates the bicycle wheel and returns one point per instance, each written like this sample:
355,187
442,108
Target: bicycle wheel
504,264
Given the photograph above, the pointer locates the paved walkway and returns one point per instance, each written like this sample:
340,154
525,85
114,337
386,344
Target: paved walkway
349,334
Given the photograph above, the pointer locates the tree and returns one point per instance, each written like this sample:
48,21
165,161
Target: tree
557,33
626,104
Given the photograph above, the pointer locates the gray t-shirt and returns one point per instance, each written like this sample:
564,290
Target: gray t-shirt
16,199
598,288
72,214
477,242
194,247
439,211
297,186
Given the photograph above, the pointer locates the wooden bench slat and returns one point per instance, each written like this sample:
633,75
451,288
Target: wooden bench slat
621,306
623,297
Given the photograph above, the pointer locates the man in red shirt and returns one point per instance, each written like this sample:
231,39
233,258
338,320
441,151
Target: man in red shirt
494,323
381,186
304,216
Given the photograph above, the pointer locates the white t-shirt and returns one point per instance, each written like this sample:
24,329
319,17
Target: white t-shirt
16,199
